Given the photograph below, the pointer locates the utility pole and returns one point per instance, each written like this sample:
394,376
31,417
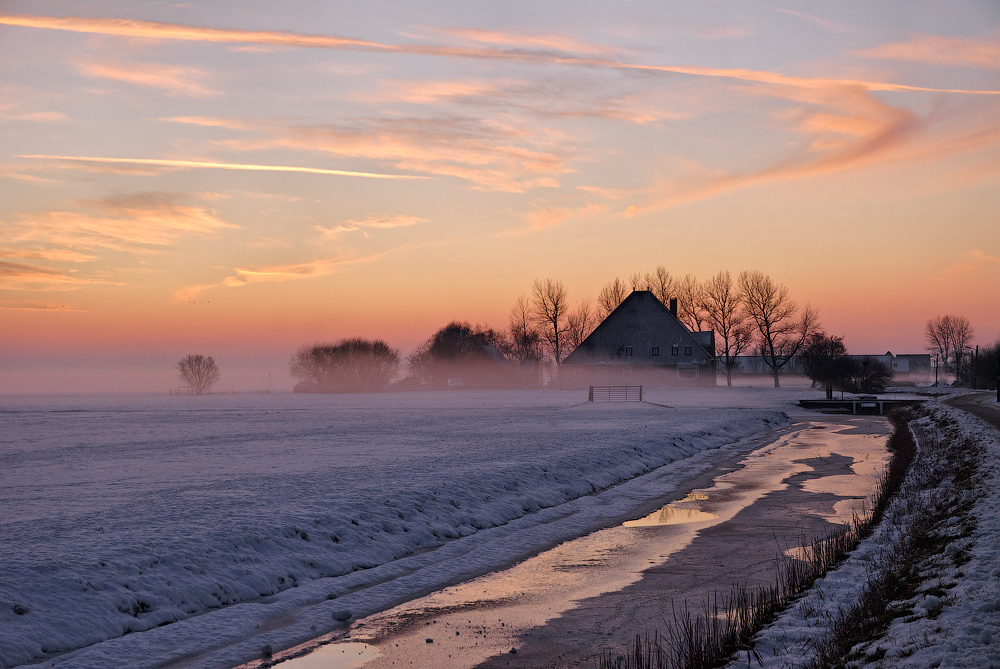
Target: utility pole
975,366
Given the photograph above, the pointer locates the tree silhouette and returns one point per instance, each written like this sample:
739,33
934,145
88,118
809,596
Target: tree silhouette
350,365
825,361
551,307
459,350
949,336
613,294
725,313
198,371
780,334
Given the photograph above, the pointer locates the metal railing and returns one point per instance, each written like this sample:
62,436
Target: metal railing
615,394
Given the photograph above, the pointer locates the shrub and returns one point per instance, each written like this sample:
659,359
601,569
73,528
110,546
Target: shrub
350,365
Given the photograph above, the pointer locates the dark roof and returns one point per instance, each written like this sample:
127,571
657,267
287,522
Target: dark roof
641,322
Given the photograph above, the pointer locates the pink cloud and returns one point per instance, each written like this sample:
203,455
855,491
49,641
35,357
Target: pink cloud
938,50
174,79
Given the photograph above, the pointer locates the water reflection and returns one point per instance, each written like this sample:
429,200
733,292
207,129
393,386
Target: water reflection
467,623
349,655
676,513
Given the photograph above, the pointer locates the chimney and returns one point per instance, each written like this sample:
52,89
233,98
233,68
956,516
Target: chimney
673,305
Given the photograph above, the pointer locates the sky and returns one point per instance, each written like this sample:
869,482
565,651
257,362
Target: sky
238,179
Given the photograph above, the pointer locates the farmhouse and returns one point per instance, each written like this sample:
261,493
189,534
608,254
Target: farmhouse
642,342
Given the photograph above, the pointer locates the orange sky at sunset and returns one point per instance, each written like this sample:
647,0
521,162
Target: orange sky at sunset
237,179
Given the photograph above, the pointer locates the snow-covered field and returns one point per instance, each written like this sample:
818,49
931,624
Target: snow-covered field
950,614
138,531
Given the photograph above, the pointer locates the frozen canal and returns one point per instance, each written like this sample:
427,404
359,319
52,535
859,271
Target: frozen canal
565,606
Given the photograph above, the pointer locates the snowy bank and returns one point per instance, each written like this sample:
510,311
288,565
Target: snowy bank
275,515
945,604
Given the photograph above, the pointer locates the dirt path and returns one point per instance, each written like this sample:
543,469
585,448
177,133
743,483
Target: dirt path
982,405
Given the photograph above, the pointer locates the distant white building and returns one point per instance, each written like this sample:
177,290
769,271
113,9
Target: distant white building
909,367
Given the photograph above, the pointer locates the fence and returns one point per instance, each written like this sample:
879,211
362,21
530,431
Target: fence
615,394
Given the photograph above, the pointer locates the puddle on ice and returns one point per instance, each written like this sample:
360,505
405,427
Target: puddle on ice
348,655
463,625
675,513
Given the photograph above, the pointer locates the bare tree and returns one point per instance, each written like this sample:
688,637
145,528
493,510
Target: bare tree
198,371
580,323
613,294
780,334
725,313
661,284
525,345
691,302
949,336
550,307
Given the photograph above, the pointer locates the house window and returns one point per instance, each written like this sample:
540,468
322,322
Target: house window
675,349
628,351
687,350
656,350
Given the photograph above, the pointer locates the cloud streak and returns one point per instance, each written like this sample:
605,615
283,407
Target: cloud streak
133,223
174,79
376,222
313,269
38,306
204,164
938,50
157,30
26,277
492,154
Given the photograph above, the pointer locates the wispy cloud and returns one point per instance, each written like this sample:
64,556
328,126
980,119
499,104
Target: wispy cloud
23,103
156,30
38,116
374,221
523,40
549,97
10,269
29,277
977,260
492,154
832,26
38,306
846,128
938,50
545,217
174,79
131,223
204,164
61,255
313,269
609,193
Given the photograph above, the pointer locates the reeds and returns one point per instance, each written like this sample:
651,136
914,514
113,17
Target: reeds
727,624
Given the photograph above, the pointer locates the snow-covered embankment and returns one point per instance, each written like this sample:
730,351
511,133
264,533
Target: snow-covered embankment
123,519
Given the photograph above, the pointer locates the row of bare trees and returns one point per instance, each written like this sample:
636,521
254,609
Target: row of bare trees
750,313
949,337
